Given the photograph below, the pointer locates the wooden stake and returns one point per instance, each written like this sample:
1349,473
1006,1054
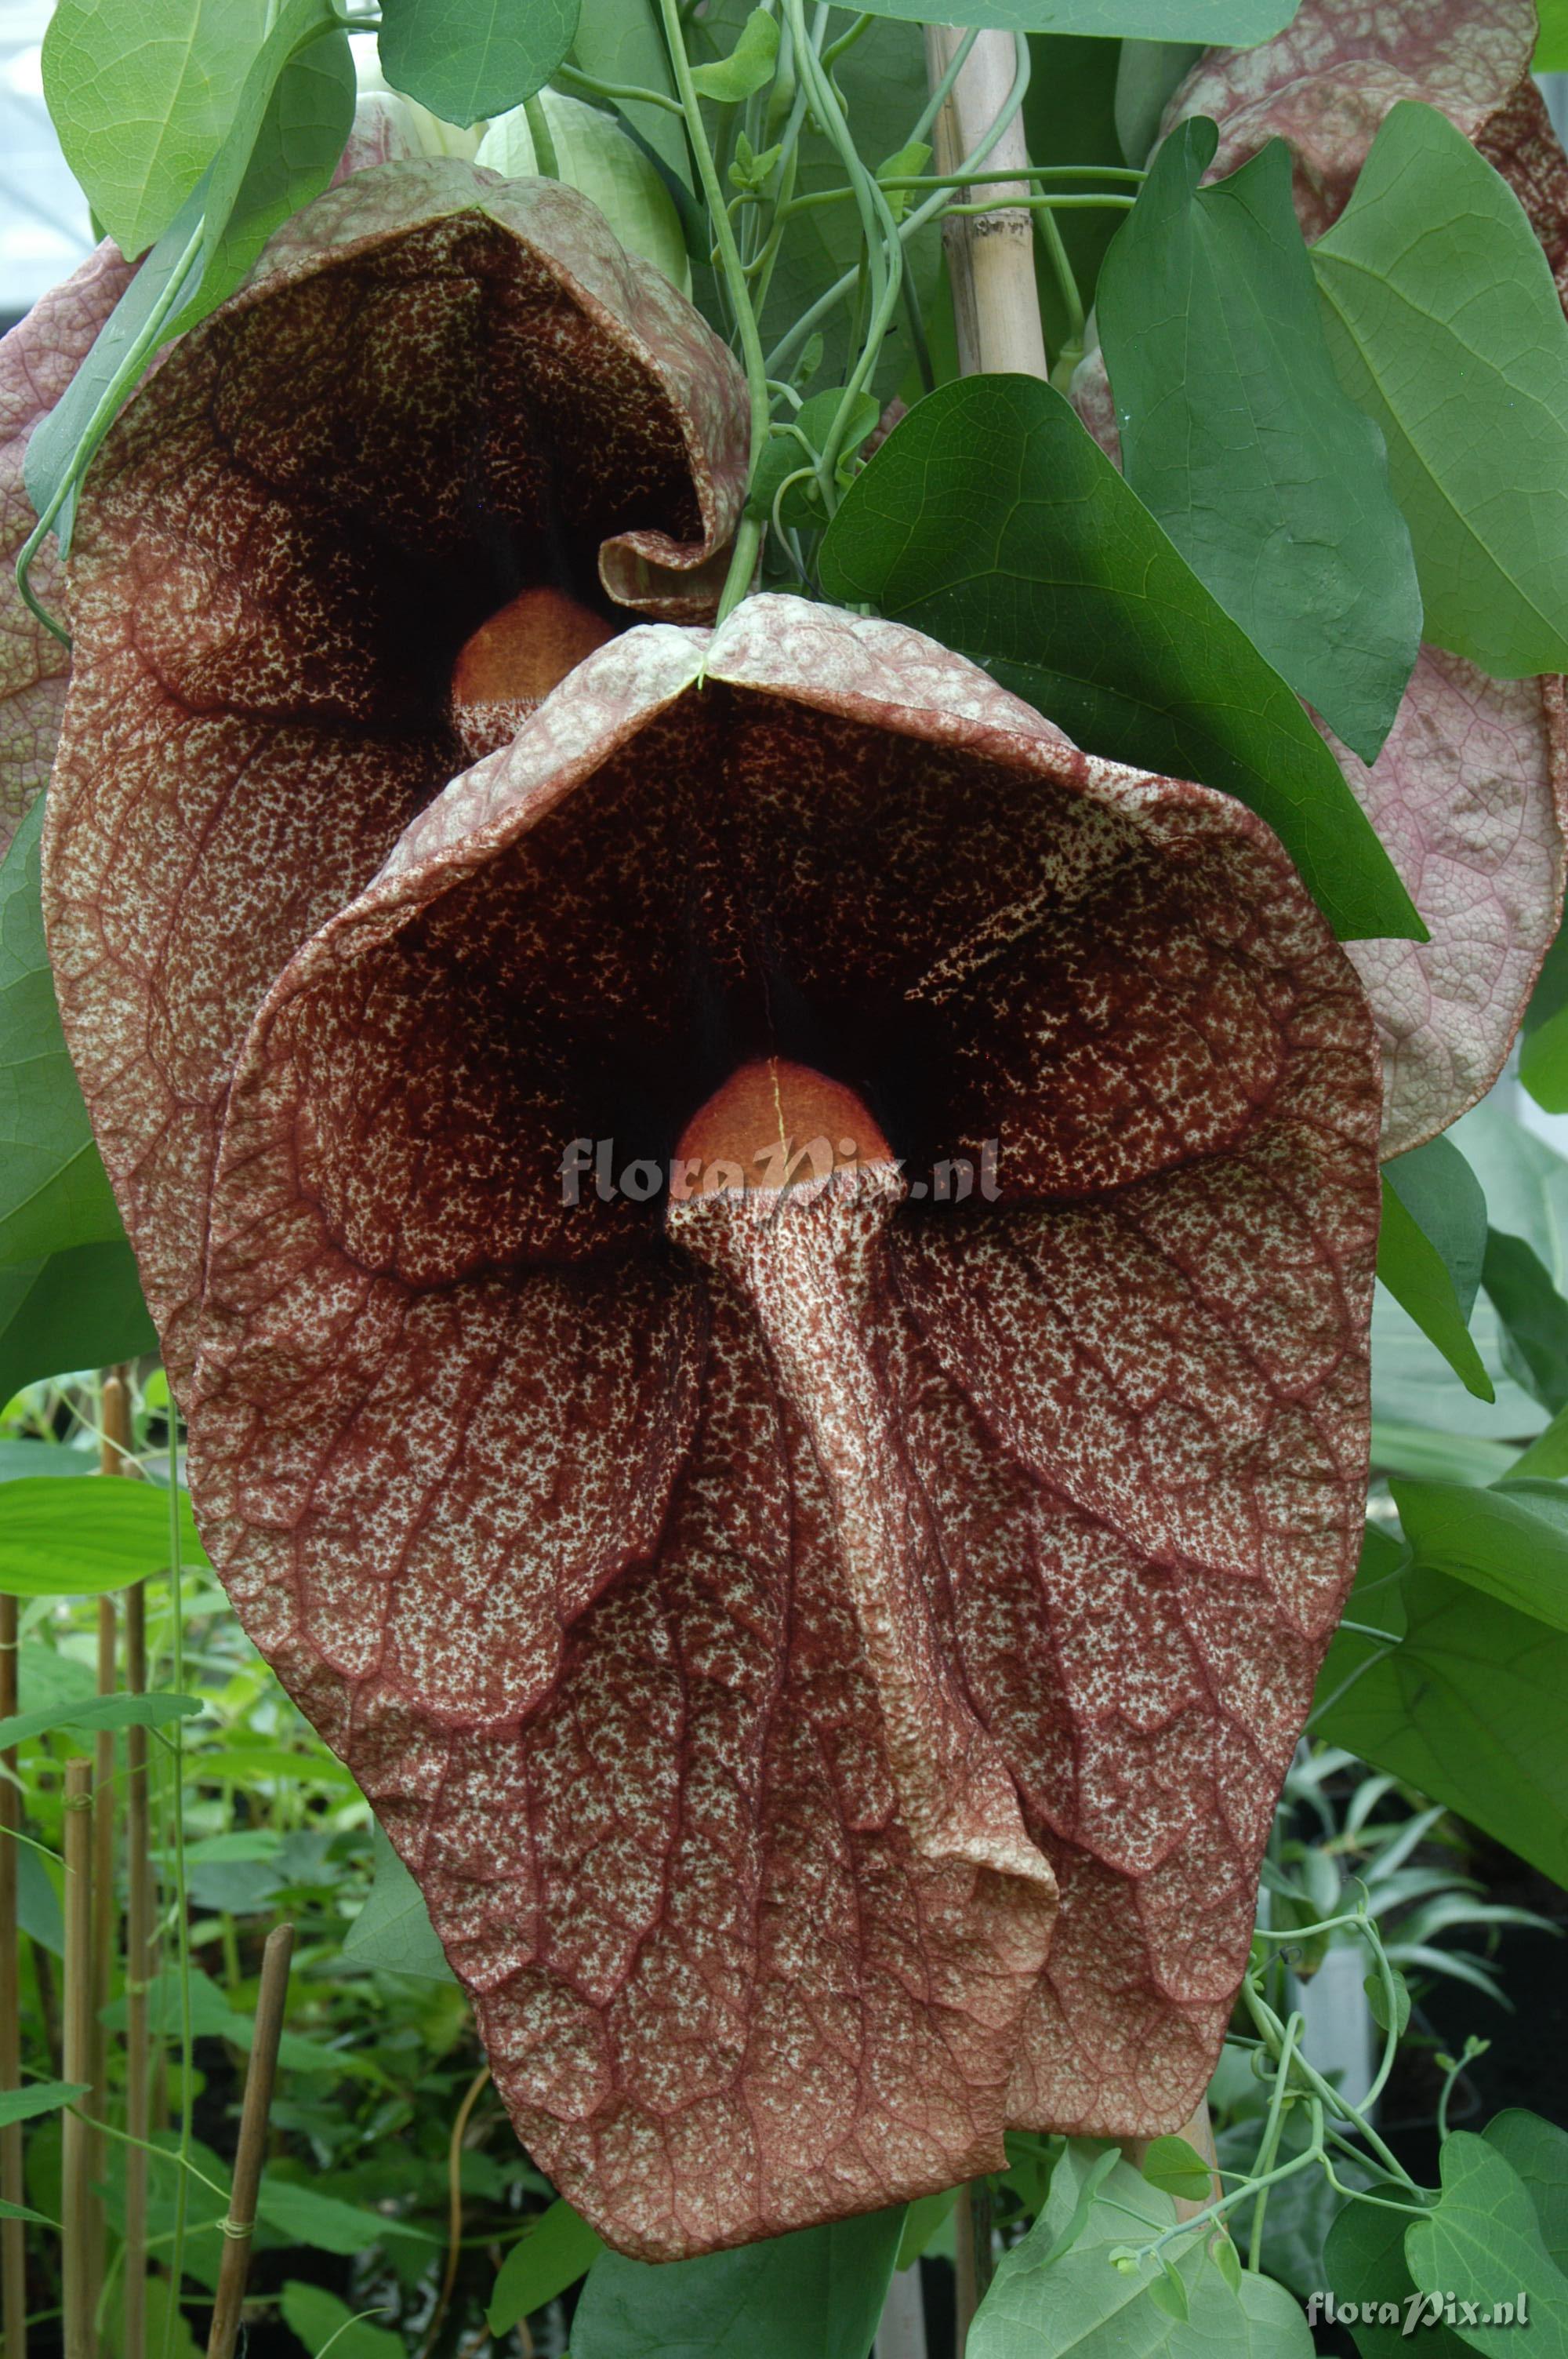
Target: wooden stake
139,1974
251,2152
76,2063
103,1938
480,2082
972,2258
12,2233
114,1458
991,257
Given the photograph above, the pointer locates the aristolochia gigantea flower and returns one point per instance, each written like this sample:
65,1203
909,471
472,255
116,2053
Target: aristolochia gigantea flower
827,1634
442,395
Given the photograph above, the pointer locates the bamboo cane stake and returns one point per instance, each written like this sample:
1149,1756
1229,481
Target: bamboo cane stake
114,1458
251,2151
139,1974
80,1983
114,1445
480,2082
991,257
972,2258
12,2233
103,1933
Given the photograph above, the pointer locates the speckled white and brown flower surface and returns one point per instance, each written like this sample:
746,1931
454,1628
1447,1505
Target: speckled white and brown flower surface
829,1661
436,389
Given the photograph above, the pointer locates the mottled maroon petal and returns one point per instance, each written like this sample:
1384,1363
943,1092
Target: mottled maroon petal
436,386
737,1615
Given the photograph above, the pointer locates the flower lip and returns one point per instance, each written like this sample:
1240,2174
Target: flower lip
771,1122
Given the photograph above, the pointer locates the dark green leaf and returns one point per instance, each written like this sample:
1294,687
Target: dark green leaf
19,1457
62,443
1445,326
38,1912
1427,1452
1058,2292
1526,1182
1070,117
318,2318
1378,2002
469,59
1538,2152
1032,2160
141,93
814,2295
306,2216
1413,1385
20,2212
558,2249
1148,77
1511,1542
990,520
1468,1707
1364,2261
54,1190
784,455
622,41
1481,2245
298,144
212,2017
1548,1454
38,2097
748,66
393,1931
1544,1051
882,80
209,244
1551,49
1430,1251
1177,2168
205,2206
79,1540
1534,1317
1237,433
77,1310
1227,23
923,2219
98,1712
1443,1196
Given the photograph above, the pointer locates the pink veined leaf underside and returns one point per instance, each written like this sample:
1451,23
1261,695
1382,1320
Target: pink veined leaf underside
830,1664
1470,792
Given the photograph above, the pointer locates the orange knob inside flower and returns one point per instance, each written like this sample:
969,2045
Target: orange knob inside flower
773,1121
513,661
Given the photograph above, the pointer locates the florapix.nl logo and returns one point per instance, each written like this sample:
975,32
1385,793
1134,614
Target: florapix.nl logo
593,1167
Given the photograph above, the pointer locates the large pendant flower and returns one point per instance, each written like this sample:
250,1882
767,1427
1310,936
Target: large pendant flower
440,393
828,1651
